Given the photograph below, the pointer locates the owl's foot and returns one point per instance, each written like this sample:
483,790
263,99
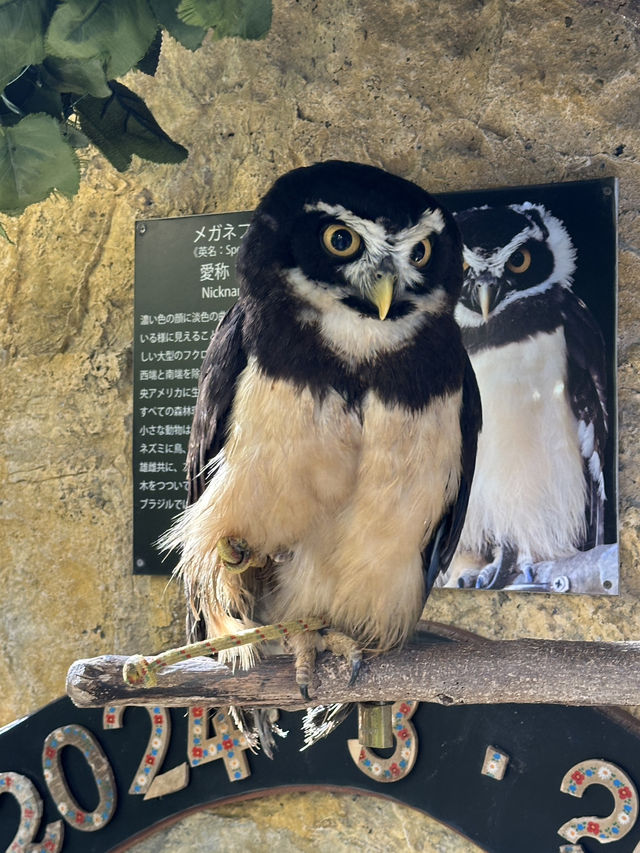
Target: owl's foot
496,575
237,556
306,647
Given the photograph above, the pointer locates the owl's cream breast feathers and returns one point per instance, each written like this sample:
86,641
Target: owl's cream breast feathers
353,497
533,498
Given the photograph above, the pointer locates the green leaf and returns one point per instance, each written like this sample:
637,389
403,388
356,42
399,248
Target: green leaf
250,19
31,93
80,76
149,62
22,26
118,32
123,125
165,12
34,161
5,236
73,135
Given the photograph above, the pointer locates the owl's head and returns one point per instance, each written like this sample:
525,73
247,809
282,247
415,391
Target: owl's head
356,248
510,253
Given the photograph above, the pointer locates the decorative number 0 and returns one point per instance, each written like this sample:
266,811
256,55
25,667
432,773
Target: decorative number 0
597,772
146,780
398,765
30,813
74,815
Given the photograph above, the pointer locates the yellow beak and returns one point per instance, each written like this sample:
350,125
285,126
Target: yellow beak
484,300
382,294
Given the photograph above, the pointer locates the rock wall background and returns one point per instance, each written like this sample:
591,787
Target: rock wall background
454,95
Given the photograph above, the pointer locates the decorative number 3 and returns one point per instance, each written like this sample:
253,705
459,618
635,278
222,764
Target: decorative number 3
605,829
30,813
398,765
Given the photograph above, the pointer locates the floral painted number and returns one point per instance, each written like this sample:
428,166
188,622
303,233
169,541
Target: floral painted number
71,811
398,765
146,781
604,829
228,743
30,814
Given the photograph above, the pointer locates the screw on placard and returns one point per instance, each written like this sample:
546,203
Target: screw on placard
139,562
141,227
561,584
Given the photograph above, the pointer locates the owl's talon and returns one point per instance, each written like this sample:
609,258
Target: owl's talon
237,556
305,652
356,663
496,574
304,692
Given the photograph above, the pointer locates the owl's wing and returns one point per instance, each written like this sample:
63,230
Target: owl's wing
224,361
440,550
587,380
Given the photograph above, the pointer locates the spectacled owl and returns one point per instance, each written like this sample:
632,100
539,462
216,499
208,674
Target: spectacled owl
334,436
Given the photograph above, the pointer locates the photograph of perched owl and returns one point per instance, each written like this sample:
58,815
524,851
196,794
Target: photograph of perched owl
334,437
539,358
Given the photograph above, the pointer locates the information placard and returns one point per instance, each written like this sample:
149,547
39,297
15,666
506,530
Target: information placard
184,284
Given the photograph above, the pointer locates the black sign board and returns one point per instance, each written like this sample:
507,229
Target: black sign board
75,781
185,282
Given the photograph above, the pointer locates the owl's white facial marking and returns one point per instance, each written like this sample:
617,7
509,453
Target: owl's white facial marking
495,264
557,240
354,337
380,244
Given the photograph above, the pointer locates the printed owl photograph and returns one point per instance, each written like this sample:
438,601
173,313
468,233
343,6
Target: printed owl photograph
538,318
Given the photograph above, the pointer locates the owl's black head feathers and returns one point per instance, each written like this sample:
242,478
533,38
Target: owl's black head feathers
350,243
510,253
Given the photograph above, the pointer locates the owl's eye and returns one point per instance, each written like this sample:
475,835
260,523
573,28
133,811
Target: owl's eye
421,253
340,240
520,261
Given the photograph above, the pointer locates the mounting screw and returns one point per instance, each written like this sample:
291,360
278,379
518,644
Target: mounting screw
561,584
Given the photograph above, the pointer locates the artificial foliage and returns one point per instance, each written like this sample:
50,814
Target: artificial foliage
59,64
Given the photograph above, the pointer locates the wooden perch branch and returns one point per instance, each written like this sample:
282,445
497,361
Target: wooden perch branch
459,672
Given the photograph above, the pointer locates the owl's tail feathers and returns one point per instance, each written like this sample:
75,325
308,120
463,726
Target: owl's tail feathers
320,721
259,725
143,671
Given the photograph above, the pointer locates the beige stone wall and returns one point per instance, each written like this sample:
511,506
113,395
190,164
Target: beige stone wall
455,94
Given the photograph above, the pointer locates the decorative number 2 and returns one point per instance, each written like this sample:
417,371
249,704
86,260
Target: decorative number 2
606,829
146,780
30,813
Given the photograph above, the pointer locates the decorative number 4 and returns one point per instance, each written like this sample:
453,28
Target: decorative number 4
30,813
606,829
229,743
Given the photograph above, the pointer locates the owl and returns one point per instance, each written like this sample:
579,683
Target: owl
335,430
538,356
